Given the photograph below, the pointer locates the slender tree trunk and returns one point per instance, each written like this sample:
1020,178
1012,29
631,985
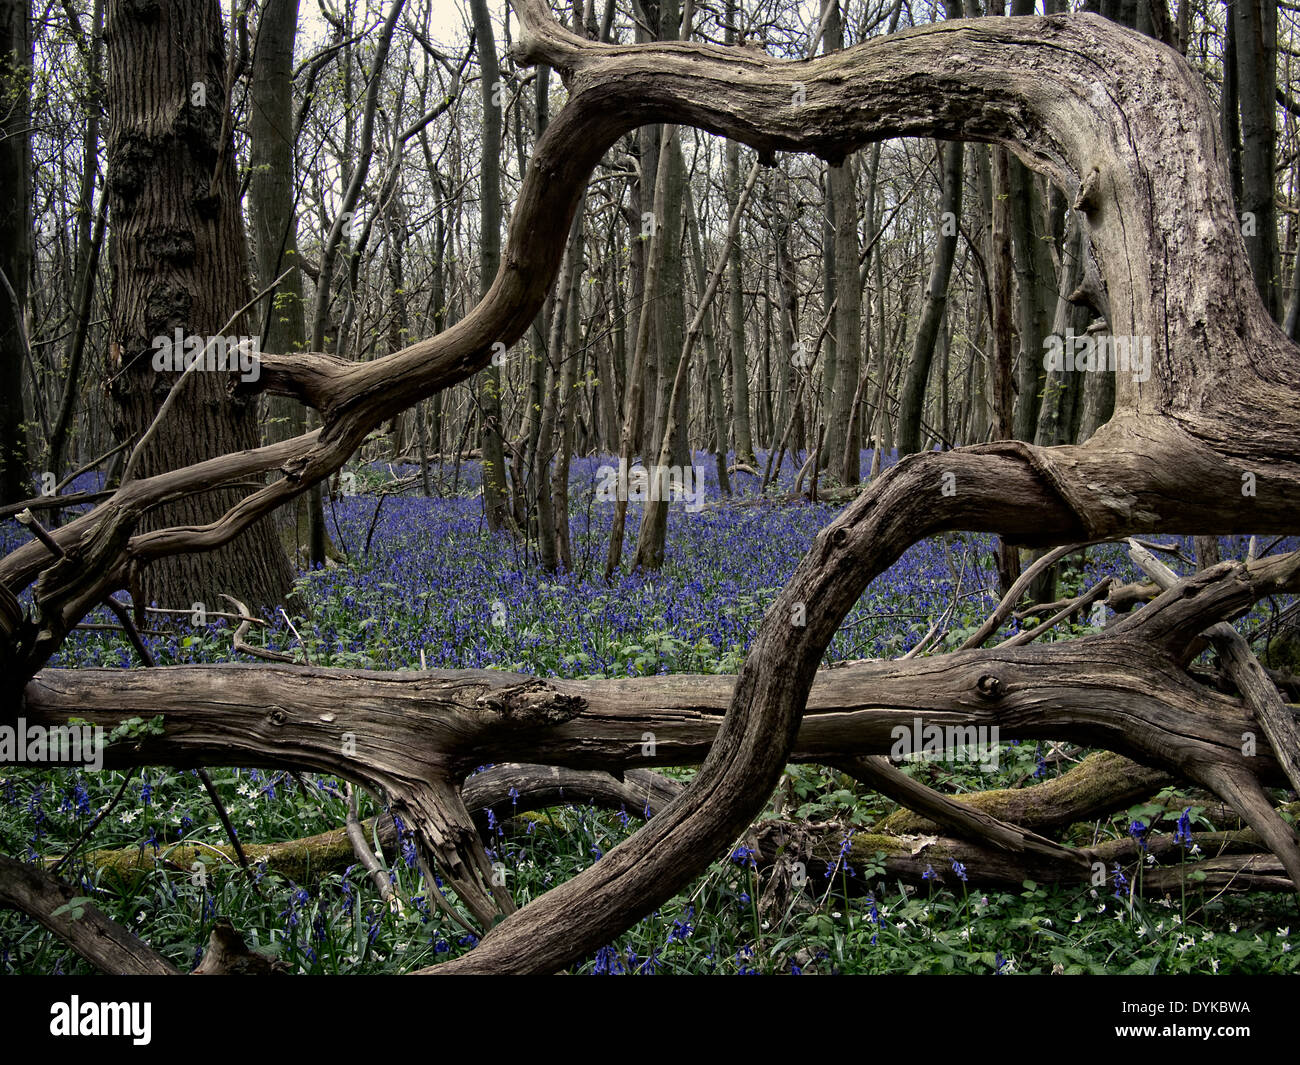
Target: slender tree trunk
912,398
1229,104
712,375
568,398
670,311
494,456
1035,288
15,241
638,374
90,239
736,294
1001,268
654,520
555,398
1061,391
841,437
273,217
1255,22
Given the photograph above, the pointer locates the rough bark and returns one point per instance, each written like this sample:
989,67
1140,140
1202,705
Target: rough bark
179,261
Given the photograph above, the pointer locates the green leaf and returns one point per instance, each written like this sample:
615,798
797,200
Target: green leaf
76,907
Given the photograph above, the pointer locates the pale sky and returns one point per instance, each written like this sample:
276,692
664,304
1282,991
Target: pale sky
448,21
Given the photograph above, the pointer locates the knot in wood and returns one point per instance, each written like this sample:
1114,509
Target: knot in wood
990,687
532,703
277,717
1089,197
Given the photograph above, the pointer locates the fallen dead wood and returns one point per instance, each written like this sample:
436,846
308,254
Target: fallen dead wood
77,921
1101,783
507,790
1237,862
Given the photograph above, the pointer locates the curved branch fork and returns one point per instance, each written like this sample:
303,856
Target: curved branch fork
1208,442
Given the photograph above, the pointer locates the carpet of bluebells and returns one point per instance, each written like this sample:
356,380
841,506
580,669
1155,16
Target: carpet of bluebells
426,585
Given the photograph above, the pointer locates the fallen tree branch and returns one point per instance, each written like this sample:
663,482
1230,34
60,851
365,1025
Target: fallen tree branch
78,922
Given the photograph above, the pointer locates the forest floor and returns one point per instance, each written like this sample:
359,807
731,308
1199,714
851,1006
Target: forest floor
425,583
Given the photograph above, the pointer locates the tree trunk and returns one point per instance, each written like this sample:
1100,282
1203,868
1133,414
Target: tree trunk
1255,22
712,375
735,292
1001,268
491,430
843,446
90,240
179,262
15,242
274,223
912,398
